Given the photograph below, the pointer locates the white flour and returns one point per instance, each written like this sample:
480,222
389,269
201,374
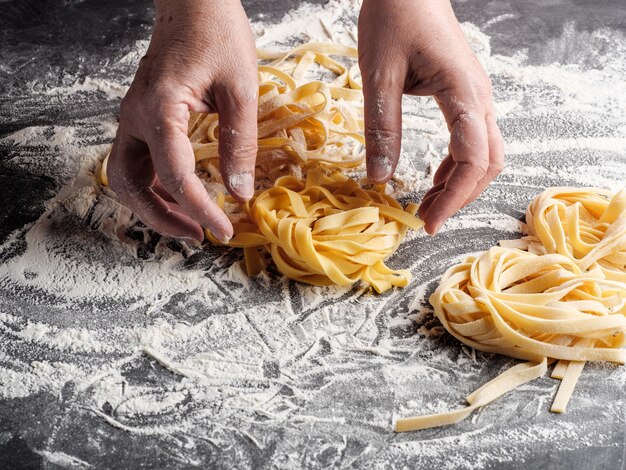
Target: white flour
250,363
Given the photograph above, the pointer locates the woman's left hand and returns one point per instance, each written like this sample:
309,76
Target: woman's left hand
418,48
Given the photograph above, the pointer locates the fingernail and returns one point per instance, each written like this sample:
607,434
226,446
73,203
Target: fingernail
243,184
437,227
220,235
379,168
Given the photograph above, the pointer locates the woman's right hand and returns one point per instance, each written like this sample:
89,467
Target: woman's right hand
201,58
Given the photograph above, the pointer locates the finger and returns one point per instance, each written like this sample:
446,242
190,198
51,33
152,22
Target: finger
496,164
237,110
451,197
382,92
496,157
470,151
160,190
159,215
439,179
428,199
128,155
162,193
444,170
174,163
133,188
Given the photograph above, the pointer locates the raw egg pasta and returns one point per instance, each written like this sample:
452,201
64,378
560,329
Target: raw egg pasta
562,301
588,225
325,229
302,122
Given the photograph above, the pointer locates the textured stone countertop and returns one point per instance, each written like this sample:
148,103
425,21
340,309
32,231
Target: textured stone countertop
290,381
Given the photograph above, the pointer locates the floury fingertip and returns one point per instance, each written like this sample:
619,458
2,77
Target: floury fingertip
243,184
379,168
433,229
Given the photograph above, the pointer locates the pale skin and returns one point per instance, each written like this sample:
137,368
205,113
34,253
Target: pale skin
202,58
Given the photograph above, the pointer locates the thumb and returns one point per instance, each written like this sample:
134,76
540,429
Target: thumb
383,123
238,140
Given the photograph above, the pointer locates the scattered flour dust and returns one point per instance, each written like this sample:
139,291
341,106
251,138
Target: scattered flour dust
181,346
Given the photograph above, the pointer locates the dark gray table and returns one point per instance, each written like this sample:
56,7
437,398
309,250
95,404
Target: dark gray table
54,40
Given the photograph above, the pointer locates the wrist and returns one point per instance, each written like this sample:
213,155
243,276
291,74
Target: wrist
189,7
178,19
401,7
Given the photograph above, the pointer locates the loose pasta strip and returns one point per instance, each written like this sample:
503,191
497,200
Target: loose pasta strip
325,229
539,308
504,383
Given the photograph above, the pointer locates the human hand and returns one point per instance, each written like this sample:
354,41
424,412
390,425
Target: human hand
201,58
418,48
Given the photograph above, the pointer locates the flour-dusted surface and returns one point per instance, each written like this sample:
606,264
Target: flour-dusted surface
174,359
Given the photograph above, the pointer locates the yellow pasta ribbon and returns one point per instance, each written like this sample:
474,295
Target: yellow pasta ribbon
302,122
563,300
588,225
325,229
531,306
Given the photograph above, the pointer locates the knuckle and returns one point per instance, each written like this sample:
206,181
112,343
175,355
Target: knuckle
209,208
479,167
496,168
381,77
174,182
466,120
161,91
162,103
164,120
475,95
245,93
152,107
381,135
238,96
482,85
238,151
478,77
